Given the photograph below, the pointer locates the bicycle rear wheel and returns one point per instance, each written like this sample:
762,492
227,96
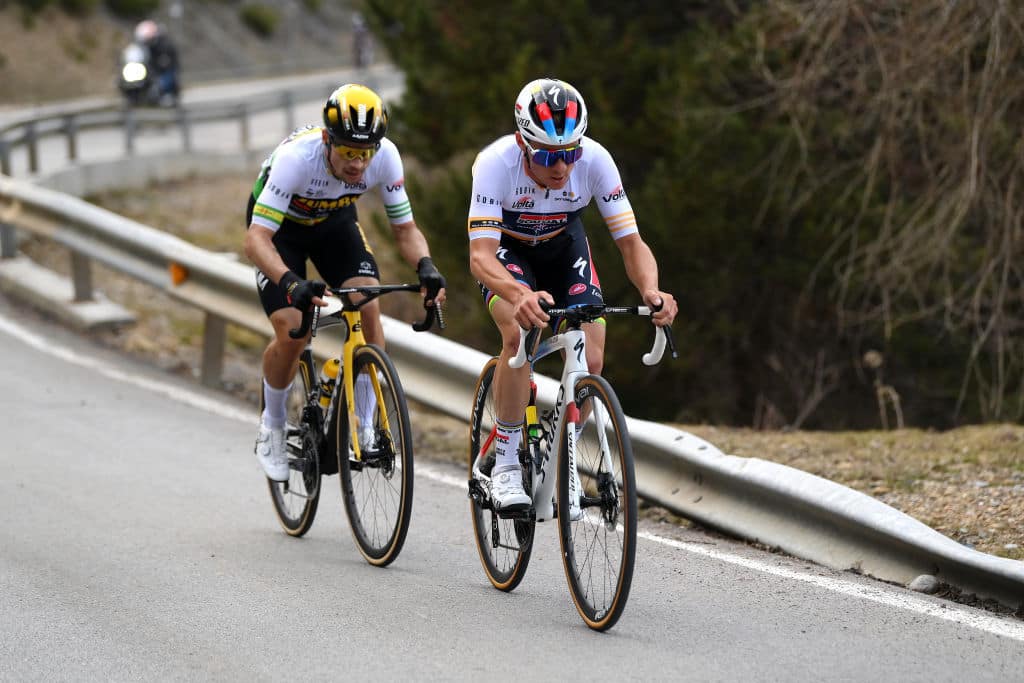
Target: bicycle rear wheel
377,490
296,500
504,544
599,546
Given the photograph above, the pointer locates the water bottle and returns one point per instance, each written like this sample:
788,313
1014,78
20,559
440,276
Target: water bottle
533,429
328,376
532,426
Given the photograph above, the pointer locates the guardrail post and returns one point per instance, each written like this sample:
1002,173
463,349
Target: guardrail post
129,131
214,341
81,276
32,140
5,157
243,115
186,129
288,103
8,241
71,131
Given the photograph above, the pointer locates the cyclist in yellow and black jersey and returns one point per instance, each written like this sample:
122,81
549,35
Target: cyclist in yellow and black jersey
303,206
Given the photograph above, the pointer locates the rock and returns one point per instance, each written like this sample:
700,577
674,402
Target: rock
926,583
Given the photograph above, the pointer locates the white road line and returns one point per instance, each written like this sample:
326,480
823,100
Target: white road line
890,597
177,393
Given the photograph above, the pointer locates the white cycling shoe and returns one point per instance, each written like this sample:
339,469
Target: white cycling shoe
272,454
507,492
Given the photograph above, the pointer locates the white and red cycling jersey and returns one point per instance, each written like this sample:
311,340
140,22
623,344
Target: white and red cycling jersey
296,183
506,201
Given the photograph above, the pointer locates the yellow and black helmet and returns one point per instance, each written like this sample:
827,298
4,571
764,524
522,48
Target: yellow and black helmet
355,114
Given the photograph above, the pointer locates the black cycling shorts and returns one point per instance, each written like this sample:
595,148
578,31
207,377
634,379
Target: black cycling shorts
336,246
562,266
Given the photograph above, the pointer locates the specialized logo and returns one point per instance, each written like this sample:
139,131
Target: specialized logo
577,288
617,194
580,264
261,280
555,93
502,254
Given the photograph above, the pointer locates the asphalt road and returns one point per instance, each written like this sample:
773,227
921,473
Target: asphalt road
138,542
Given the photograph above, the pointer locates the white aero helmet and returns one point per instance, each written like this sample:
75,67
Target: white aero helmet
550,112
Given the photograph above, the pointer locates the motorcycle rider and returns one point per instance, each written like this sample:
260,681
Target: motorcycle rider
162,56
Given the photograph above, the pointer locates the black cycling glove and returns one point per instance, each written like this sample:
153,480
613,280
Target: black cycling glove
430,277
300,292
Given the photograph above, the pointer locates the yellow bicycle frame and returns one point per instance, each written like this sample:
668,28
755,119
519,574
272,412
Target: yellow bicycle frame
353,340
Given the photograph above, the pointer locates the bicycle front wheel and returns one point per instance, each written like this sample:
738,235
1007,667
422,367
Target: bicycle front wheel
377,489
598,537
504,544
295,500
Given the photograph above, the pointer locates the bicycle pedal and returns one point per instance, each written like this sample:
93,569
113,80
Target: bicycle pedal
517,513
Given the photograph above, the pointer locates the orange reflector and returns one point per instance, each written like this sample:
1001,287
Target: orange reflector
179,273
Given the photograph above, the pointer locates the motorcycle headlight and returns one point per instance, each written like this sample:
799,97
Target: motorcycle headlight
133,72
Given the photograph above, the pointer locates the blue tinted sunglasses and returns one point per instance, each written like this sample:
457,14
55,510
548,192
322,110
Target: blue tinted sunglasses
550,157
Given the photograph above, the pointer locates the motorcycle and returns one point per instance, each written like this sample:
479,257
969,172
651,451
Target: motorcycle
140,84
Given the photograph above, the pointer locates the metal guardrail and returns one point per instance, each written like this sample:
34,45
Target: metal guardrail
776,505
132,121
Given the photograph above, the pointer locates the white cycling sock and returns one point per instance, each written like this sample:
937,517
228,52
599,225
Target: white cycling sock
366,400
506,445
274,401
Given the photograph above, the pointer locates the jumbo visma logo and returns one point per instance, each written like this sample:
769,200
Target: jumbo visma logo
321,206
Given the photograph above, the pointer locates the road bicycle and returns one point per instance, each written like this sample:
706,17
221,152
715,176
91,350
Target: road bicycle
323,423
589,487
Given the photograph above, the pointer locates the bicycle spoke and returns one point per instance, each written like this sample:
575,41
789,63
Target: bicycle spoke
377,490
504,545
598,556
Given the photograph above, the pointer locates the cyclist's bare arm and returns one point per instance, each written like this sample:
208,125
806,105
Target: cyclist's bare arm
486,268
642,270
260,249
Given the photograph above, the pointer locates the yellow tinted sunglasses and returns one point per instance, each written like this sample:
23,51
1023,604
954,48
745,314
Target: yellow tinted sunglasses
353,153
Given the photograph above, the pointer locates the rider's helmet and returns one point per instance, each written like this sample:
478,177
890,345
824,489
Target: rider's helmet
355,114
146,31
550,112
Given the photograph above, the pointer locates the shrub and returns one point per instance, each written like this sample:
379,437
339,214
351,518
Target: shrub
79,8
133,9
261,19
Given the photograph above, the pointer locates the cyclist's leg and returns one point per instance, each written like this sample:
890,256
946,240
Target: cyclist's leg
281,356
572,278
511,391
344,258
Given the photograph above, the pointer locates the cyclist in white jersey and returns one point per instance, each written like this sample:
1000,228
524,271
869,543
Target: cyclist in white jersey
527,243
303,205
